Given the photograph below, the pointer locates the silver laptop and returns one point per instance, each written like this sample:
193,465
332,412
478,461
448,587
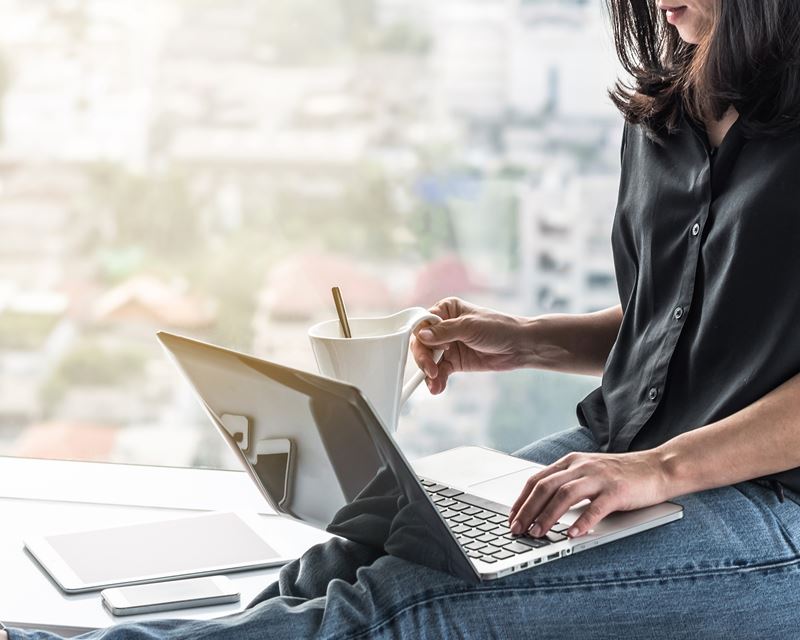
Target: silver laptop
318,453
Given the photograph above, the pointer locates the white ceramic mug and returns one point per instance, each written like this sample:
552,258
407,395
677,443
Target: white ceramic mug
374,358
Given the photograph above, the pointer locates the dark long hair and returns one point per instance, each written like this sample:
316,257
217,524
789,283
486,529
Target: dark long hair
749,58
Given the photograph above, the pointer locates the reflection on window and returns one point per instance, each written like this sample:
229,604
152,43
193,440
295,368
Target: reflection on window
214,166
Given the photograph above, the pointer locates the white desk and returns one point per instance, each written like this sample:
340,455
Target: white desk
39,496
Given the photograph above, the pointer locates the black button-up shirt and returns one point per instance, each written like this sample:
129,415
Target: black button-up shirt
707,256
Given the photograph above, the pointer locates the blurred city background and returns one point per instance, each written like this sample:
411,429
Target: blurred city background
214,166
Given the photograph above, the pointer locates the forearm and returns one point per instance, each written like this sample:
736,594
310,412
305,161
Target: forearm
570,343
761,439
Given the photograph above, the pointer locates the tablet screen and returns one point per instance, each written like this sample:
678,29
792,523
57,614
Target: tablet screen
171,547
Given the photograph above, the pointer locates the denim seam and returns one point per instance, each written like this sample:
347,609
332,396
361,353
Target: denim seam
639,581
787,535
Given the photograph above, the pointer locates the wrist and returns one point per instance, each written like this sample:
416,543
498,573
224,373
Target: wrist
674,468
537,348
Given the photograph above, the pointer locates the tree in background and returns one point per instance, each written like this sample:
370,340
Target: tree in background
360,220
155,212
92,364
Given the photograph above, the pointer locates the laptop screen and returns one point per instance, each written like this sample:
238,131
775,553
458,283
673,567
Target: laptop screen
318,451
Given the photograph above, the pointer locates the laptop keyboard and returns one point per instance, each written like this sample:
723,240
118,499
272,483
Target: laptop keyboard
481,526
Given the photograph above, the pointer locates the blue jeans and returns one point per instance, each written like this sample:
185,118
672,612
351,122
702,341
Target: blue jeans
729,569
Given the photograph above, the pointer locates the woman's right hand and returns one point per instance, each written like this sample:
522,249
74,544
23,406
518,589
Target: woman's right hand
473,338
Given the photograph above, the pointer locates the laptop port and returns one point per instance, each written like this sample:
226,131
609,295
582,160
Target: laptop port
553,556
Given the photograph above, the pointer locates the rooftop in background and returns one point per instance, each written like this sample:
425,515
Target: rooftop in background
300,287
149,300
440,278
67,440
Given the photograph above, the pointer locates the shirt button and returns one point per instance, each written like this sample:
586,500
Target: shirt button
678,313
695,229
653,393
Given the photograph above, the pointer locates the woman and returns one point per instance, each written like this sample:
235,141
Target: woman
701,378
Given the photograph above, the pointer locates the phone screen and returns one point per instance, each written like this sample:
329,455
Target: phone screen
273,469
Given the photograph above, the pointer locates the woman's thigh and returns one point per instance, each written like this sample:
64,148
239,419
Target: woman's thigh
730,568
550,448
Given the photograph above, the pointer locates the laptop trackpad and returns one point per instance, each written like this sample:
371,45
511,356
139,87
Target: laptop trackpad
464,467
505,489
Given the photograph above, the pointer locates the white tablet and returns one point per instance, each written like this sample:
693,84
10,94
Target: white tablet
191,546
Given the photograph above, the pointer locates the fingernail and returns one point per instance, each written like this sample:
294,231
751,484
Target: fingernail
516,527
536,531
573,531
425,334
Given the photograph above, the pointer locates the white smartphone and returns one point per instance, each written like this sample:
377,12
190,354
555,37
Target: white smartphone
170,595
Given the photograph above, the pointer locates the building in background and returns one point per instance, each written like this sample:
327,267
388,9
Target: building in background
216,166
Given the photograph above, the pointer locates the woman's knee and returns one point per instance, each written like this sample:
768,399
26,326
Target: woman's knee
308,576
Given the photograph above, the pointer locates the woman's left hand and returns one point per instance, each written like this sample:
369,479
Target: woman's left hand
611,481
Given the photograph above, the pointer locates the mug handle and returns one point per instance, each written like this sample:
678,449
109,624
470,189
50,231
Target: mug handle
419,376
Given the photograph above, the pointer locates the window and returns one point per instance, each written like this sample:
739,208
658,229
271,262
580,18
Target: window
214,166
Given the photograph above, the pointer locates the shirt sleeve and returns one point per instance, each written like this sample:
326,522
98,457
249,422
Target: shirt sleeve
624,144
